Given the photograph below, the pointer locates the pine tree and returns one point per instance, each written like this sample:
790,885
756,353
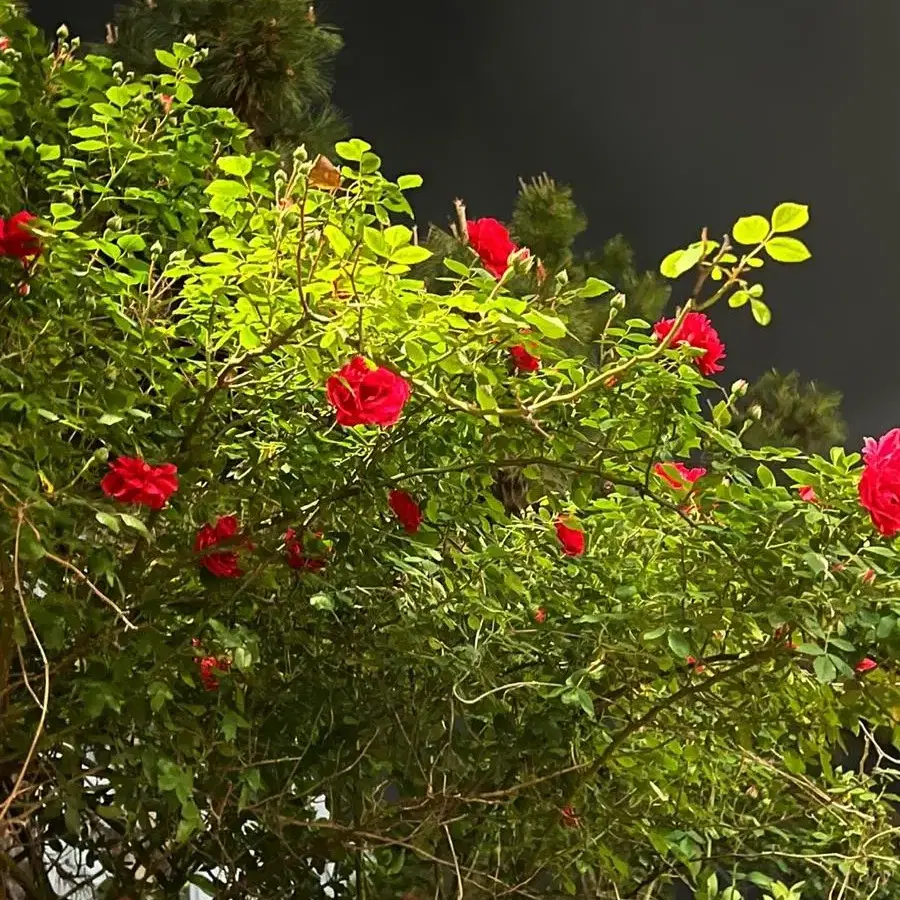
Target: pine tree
269,60
784,411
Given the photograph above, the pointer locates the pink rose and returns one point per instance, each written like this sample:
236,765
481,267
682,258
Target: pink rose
879,486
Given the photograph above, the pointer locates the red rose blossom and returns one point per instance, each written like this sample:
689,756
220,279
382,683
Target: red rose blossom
879,487
16,238
225,563
696,331
491,241
808,493
572,539
363,395
865,665
131,480
685,476
523,360
209,666
406,510
296,557
540,615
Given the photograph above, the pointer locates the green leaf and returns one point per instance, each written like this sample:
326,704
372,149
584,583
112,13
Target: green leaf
810,649
787,250
824,669
751,229
679,643
765,476
48,152
817,563
375,241
108,521
738,299
841,644
680,261
167,59
61,210
595,287
135,523
397,236
352,150
223,187
484,397
409,256
761,312
549,326
789,216
340,243
235,165
131,243
91,145
408,182
110,419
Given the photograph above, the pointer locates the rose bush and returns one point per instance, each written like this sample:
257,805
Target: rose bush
599,696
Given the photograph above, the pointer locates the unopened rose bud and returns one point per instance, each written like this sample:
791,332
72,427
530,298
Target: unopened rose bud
62,32
755,412
739,388
618,302
300,153
75,42
117,67
24,288
101,455
868,577
190,40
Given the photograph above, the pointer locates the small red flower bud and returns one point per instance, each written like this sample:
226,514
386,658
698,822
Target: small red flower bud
540,615
868,577
865,665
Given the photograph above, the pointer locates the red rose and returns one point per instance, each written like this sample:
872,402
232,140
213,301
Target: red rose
572,539
879,487
296,557
865,665
131,480
523,360
406,510
540,615
808,493
696,331
491,241
367,396
685,476
208,667
225,563
4,43
16,238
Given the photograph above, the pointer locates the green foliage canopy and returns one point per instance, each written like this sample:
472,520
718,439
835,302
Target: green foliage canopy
482,714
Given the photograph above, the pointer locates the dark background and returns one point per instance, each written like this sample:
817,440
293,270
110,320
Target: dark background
664,117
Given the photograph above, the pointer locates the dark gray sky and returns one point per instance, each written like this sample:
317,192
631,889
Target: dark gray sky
663,116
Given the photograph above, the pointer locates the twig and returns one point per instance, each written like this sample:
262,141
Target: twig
46,692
